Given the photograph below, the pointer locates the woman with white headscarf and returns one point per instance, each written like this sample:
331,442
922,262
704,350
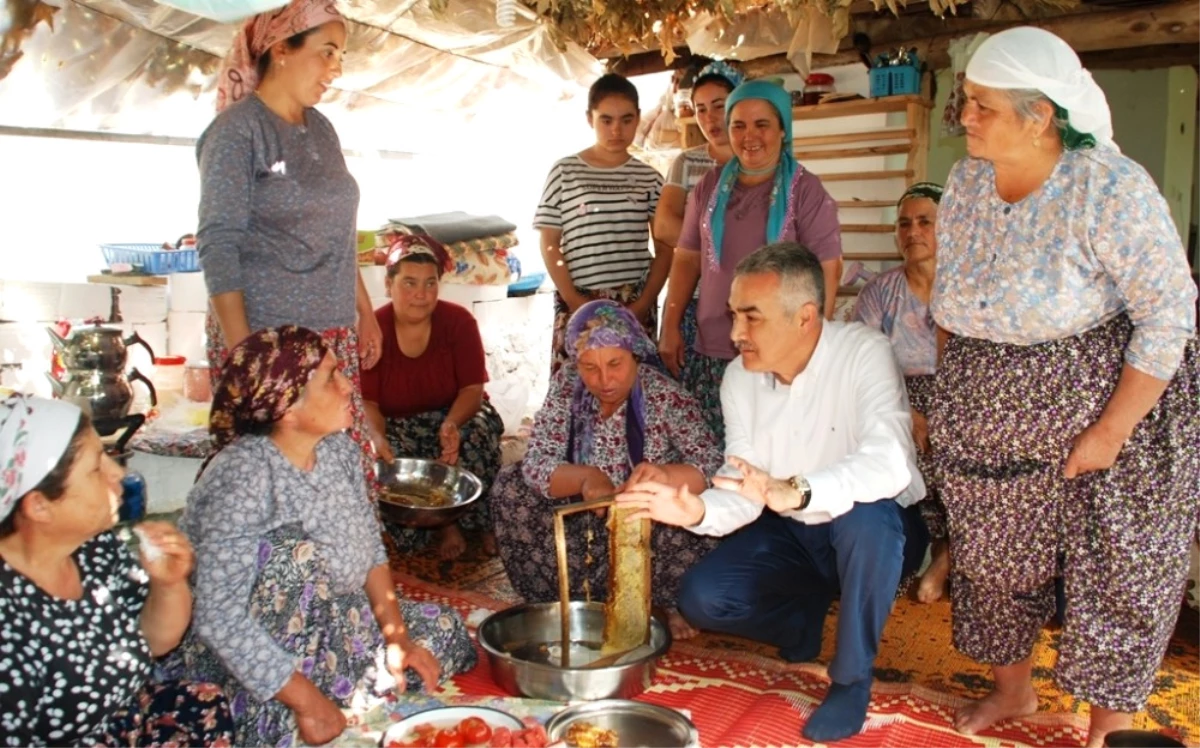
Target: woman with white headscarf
1066,422
81,618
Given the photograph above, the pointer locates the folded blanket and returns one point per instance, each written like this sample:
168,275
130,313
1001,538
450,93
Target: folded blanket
453,227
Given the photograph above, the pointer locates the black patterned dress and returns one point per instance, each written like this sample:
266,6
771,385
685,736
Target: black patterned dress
77,672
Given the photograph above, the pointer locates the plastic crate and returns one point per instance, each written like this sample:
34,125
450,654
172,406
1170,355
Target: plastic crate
895,80
152,258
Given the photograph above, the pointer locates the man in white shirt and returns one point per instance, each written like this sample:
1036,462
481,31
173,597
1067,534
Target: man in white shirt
818,430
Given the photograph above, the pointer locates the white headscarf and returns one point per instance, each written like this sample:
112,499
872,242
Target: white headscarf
34,435
1008,60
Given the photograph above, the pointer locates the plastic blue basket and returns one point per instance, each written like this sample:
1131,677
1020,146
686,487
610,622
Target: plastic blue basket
152,258
895,80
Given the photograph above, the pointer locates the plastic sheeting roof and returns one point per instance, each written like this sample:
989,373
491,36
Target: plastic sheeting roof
134,66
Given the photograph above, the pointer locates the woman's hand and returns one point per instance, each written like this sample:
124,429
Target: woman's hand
662,503
370,340
167,555
449,438
920,432
406,653
647,472
640,308
1096,448
319,721
596,485
758,486
671,348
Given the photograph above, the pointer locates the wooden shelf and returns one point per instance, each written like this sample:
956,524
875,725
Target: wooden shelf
865,151
853,108
866,203
128,280
867,228
855,176
855,137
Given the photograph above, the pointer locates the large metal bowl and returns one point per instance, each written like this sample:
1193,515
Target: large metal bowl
520,642
421,475
635,723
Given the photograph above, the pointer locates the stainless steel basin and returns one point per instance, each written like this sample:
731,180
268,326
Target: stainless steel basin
635,723
523,642
410,474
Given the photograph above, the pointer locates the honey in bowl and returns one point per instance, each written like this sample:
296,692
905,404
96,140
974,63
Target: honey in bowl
419,497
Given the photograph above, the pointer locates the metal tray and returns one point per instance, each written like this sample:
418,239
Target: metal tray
638,725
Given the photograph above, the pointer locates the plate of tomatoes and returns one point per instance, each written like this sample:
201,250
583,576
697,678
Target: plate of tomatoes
463,727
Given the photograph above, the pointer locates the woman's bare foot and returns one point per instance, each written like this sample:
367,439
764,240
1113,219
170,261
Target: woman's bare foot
451,543
680,628
489,544
1103,722
997,706
933,582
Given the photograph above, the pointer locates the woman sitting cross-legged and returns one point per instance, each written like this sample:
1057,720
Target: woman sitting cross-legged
425,397
296,611
611,415
80,617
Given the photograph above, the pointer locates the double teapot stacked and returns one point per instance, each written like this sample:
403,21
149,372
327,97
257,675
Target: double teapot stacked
94,359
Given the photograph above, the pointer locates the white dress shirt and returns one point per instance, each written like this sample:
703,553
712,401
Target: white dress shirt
843,424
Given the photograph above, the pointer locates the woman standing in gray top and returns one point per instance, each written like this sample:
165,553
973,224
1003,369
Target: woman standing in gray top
278,206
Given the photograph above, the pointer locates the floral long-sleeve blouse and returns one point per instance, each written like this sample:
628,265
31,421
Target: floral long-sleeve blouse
676,432
1094,241
249,490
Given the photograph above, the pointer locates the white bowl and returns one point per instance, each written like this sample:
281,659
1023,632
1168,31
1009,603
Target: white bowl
450,716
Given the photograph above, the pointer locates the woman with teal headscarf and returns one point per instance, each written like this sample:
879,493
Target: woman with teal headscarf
760,196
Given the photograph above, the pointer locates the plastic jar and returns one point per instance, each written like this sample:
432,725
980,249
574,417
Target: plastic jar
817,85
197,387
168,378
683,103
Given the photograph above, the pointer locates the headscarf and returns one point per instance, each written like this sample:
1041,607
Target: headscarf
931,190
34,435
239,70
723,69
784,172
407,245
1009,59
264,375
607,324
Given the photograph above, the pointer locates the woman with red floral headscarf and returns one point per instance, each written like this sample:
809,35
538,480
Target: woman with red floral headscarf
296,612
278,208
425,399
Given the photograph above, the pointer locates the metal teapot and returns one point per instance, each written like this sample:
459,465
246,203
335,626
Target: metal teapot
102,395
96,347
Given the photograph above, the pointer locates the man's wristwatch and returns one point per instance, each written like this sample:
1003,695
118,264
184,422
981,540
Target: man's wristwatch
799,483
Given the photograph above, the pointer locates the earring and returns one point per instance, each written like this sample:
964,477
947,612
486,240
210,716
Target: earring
282,63
1037,142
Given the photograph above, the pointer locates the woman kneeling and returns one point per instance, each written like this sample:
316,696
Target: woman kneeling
296,610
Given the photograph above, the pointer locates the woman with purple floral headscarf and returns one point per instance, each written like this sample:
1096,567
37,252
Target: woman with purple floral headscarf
612,415
296,612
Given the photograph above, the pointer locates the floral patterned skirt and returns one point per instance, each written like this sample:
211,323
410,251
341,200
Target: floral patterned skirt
920,397
702,376
343,341
173,713
525,535
334,639
626,294
478,452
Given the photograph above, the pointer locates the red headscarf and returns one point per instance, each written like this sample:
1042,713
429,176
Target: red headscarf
405,246
239,74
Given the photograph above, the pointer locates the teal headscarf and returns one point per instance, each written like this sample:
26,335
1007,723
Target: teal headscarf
784,172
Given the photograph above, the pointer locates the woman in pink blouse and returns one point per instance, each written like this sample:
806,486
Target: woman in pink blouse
612,416
1066,425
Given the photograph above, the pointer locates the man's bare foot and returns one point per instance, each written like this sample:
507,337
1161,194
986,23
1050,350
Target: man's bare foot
997,706
1103,722
451,543
680,628
933,582
489,544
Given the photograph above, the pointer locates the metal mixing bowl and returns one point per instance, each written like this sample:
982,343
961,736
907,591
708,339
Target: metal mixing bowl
421,475
635,723
519,642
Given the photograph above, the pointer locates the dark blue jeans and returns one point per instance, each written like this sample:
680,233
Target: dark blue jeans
773,581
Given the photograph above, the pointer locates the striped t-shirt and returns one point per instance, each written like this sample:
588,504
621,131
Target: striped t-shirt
604,215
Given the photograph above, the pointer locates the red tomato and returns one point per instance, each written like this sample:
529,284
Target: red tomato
501,738
448,738
474,730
